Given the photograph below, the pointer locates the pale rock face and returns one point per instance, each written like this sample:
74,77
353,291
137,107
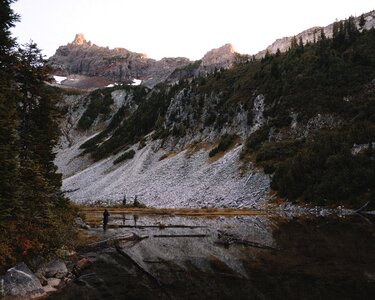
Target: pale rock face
258,110
223,55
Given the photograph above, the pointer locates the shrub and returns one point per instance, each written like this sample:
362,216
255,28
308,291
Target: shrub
137,203
277,151
225,142
255,140
127,155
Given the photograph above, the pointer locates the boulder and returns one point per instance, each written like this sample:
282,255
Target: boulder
20,283
49,289
80,223
54,282
55,269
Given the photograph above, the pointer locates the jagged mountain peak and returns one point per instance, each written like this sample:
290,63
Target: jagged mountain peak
227,48
79,40
223,54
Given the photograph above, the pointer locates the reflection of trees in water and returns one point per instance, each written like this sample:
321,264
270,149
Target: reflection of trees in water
135,218
319,259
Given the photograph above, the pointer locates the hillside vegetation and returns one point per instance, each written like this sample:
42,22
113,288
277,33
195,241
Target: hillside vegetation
319,104
334,78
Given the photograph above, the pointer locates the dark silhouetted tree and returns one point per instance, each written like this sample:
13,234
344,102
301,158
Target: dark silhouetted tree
362,21
8,116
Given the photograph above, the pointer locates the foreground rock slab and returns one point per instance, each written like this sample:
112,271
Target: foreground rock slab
20,283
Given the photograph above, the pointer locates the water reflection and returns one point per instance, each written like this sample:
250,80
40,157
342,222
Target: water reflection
266,258
135,218
321,258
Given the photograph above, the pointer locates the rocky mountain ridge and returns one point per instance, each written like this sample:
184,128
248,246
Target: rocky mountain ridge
120,65
90,66
312,34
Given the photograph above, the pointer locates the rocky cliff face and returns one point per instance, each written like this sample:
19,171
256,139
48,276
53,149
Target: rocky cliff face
117,65
222,57
120,65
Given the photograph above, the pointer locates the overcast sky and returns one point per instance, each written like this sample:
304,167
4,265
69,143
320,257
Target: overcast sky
171,28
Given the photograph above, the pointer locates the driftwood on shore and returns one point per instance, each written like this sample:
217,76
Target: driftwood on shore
228,239
151,226
180,235
111,241
362,208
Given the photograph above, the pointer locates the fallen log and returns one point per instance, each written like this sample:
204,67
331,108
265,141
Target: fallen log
149,226
362,208
179,235
229,239
110,242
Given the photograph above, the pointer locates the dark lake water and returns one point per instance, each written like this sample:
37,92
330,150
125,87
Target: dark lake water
243,257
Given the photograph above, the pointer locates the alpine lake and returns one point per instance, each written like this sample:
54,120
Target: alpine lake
224,255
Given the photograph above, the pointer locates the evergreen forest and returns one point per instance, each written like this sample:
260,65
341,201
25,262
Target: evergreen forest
36,220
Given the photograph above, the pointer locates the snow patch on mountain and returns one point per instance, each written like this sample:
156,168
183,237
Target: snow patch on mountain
59,79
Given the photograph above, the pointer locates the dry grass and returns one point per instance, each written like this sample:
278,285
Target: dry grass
194,148
220,154
168,154
204,212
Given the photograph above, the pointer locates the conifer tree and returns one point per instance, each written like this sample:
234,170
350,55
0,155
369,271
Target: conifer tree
8,116
362,21
9,167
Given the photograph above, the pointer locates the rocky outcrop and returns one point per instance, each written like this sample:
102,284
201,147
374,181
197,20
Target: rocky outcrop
220,57
84,58
117,65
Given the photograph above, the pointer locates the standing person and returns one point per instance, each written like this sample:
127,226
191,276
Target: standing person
105,219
